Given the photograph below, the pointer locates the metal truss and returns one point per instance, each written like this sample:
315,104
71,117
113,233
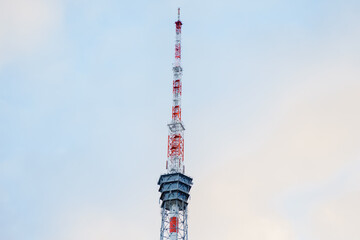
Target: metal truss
167,231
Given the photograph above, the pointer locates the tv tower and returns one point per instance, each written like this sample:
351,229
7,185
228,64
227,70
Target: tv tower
175,185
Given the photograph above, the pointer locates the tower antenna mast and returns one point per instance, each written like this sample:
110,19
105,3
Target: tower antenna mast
175,185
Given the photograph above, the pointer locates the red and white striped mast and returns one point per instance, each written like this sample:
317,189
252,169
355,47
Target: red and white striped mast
175,185
175,162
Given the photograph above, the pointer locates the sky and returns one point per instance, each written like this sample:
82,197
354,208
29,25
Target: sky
271,97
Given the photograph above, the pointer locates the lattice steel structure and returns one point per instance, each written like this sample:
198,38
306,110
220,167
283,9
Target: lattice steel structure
175,185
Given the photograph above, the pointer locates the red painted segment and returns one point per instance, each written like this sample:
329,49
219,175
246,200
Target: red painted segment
174,222
176,146
177,87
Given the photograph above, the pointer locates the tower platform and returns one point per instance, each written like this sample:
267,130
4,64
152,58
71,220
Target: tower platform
174,188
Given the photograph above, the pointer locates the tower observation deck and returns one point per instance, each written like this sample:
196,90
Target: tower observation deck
175,185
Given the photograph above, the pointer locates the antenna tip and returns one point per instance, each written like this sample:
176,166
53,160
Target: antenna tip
179,13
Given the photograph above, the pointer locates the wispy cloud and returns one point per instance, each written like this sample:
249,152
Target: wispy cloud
26,25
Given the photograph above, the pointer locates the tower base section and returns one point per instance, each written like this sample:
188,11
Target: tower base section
175,192
174,223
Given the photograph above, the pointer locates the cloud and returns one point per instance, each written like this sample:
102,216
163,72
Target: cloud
306,137
338,218
25,25
92,223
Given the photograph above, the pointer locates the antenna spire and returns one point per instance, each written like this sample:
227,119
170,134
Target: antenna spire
175,162
175,185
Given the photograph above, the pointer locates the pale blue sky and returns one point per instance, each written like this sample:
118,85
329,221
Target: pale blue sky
270,103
